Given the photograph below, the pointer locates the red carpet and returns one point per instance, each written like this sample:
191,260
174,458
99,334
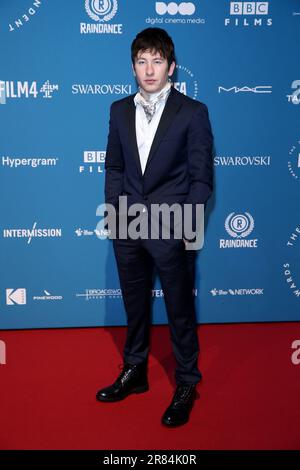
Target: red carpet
249,396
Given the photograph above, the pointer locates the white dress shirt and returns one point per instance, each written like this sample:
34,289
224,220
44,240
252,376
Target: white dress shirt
145,131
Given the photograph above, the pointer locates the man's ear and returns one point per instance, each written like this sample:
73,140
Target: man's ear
171,69
133,70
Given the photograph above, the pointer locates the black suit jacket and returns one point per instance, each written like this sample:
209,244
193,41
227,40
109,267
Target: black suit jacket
180,165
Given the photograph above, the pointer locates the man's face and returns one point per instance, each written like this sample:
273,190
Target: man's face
152,71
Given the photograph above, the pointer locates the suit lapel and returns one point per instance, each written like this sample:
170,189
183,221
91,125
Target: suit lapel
130,119
172,106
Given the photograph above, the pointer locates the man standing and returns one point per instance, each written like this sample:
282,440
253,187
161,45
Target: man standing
159,151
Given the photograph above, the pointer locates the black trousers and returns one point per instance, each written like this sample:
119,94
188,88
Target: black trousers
175,267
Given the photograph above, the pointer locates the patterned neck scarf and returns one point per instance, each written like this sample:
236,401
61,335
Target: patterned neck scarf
150,106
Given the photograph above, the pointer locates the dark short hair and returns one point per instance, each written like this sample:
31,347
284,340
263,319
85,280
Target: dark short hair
155,39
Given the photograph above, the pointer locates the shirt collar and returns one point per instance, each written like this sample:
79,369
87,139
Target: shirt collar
152,96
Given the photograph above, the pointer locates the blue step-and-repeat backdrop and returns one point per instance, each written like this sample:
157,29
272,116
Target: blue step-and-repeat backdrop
62,64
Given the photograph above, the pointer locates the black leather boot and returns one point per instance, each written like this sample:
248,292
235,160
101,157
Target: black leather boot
179,410
132,379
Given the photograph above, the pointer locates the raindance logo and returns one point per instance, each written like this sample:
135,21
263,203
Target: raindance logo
239,226
294,97
32,233
94,161
101,11
190,85
16,296
238,292
247,14
291,267
294,161
17,89
175,13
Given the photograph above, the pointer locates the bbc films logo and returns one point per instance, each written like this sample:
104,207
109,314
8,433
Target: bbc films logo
25,17
20,90
188,85
16,296
175,13
94,161
294,161
291,269
294,97
259,89
102,12
249,14
239,227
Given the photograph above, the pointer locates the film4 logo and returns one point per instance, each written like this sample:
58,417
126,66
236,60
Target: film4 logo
11,89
